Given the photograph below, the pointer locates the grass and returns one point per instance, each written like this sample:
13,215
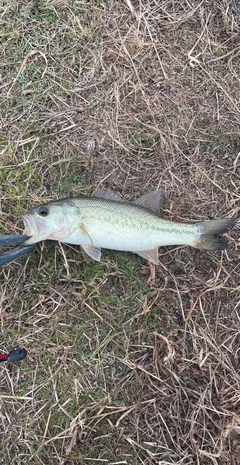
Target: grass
121,369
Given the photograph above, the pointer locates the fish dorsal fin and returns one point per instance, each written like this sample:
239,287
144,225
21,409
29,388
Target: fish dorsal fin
107,194
93,252
152,201
151,255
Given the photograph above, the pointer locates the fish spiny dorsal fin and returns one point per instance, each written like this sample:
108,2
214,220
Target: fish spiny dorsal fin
107,194
152,201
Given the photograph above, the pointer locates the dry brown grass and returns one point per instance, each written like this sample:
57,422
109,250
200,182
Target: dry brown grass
134,95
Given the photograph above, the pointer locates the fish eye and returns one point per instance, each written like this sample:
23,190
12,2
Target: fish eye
43,211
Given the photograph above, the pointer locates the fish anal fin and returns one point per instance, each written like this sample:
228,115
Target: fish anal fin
93,252
151,255
107,194
152,201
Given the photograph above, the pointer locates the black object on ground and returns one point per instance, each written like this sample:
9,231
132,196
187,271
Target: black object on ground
13,254
13,356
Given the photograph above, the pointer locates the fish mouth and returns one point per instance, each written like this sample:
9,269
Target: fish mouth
35,228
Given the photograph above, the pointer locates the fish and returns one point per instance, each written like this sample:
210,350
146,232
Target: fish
106,220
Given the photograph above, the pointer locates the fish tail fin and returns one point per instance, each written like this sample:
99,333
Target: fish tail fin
210,237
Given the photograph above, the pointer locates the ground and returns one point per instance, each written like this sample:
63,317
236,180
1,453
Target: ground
121,369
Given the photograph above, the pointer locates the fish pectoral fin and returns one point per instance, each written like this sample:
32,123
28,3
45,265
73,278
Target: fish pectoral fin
93,252
107,194
152,201
151,255
85,233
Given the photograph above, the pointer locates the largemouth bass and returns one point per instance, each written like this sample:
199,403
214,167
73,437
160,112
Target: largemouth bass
106,220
